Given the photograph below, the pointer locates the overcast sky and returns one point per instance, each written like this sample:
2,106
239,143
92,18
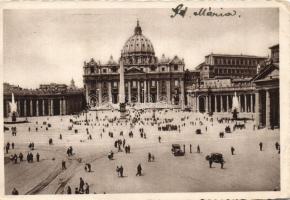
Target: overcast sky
43,46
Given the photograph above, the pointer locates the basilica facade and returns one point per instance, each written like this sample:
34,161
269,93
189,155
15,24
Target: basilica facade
148,79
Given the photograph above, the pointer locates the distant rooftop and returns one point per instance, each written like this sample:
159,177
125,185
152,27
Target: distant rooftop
235,56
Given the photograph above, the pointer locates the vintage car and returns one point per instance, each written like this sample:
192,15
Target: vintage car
198,131
176,150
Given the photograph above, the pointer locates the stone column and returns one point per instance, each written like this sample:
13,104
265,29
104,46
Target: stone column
37,108
149,91
129,91
60,107
197,104
64,107
31,108
245,103
51,107
87,94
145,91
168,91
268,110
240,103
228,103
221,102
209,103
182,93
18,107
252,103
206,104
110,92
157,90
257,108
25,109
100,93
138,91
43,107
215,103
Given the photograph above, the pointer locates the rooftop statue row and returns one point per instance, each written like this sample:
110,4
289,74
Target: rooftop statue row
136,60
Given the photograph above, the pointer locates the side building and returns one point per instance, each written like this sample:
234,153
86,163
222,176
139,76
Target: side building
257,89
229,66
47,100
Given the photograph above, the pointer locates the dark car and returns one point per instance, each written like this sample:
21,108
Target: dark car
198,131
176,150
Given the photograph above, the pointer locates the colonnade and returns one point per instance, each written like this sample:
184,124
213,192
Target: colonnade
37,107
220,102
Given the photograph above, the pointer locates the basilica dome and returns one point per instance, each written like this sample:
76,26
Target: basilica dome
138,45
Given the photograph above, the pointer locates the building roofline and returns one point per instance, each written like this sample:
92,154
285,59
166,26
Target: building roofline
235,55
272,47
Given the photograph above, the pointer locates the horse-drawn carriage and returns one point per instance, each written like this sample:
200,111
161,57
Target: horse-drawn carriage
176,150
215,158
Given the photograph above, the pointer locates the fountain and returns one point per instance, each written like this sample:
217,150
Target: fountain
14,114
235,107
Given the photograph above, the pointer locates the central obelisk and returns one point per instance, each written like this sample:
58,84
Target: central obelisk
122,92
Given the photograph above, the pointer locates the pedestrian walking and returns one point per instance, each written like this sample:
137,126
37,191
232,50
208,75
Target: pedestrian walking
190,146
37,157
149,157
198,149
82,183
232,150
139,170
63,167
68,191
15,192
87,188
261,146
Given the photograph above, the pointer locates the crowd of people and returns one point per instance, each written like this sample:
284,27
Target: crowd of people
161,121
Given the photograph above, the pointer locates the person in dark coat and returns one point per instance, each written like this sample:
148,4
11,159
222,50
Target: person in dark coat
149,157
37,157
12,145
232,150
68,190
77,191
261,146
198,149
121,170
87,188
277,146
63,165
21,157
139,170
82,183
15,192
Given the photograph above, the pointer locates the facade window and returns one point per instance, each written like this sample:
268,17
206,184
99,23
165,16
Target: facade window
115,84
153,83
153,68
134,84
114,69
175,67
176,83
163,69
92,70
104,70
